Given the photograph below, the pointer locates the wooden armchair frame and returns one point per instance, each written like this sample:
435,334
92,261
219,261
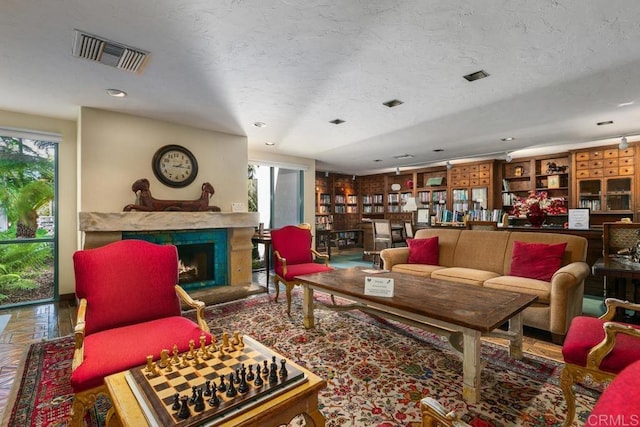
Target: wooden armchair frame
572,374
435,415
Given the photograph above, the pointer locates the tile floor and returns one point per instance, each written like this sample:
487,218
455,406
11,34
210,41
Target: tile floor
29,324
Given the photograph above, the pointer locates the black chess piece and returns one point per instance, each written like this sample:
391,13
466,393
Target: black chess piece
199,405
207,388
250,375
176,401
283,369
265,368
222,387
194,395
273,372
236,379
215,400
258,382
243,387
184,411
231,391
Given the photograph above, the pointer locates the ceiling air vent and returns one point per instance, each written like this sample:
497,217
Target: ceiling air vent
109,53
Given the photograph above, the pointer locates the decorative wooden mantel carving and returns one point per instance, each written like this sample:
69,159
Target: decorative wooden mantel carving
101,228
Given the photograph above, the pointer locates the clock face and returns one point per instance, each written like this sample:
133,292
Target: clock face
175,166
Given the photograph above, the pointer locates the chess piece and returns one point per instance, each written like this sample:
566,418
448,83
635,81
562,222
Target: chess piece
175,360
222,387
250,375
243,387
204,353
199,404
164,358
265,368
151,367
231,391
215,400
213,347
207,388
194,395
176,402
225,340
273,371
283,369
236,379
185,361
184,411
258,382
192,352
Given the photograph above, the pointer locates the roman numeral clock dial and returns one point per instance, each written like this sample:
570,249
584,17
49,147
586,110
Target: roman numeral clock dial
175,166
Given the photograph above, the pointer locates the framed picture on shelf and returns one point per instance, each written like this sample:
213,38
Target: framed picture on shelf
518,171
579,219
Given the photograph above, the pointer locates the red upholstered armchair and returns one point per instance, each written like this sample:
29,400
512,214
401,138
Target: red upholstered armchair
619,404
129,308
598,348
293,257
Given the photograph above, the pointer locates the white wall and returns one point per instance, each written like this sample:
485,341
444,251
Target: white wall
117,149
67,213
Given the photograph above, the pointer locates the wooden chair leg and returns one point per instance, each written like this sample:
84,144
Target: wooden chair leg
81,403
289,289
566,383
276,284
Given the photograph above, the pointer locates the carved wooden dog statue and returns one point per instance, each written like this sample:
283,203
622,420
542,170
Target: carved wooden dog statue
146,202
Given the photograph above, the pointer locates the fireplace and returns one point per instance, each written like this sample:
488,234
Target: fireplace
202,254
227,234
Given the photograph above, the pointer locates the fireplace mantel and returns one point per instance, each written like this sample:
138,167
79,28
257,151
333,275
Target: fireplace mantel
101,228
152,221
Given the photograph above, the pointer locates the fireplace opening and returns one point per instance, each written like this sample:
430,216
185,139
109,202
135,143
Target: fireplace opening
196,264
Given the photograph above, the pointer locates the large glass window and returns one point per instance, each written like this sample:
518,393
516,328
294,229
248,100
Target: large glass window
28,237
276,194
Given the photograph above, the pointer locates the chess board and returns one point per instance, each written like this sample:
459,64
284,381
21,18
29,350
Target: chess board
156,392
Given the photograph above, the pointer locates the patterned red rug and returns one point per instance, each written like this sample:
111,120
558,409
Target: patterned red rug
377,371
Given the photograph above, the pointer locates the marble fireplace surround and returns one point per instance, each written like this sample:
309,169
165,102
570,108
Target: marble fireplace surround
100,228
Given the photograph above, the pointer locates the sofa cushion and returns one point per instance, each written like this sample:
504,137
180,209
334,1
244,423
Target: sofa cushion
469,276
423,251
423,270
536,260
539,288
115,350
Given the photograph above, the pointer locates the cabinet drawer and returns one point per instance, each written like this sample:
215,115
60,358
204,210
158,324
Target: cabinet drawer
485,167
485,174
625,161
582,156
484,181
473,168
594,155
474,181
460,169
611,153
596,172
461,183
611,163
611,172
582,173
582,164
627,152
474,175
626,170
595,164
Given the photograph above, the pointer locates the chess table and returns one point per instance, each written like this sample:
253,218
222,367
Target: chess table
143,396
464,313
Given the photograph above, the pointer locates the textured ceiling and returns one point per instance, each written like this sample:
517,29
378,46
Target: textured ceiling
557,67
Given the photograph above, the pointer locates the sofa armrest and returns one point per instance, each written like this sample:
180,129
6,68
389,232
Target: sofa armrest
393,256
567,291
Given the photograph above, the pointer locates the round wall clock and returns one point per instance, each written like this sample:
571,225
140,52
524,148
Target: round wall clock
174,166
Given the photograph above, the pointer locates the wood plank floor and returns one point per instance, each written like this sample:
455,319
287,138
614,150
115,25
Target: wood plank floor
29,324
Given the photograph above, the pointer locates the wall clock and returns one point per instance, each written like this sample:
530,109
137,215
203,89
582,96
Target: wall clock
174,166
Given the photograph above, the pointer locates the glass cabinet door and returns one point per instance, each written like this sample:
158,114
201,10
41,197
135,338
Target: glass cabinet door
589,193
618,194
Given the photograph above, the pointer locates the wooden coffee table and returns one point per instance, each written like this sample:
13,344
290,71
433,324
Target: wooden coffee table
462,312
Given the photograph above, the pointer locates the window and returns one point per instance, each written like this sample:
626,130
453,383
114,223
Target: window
276,194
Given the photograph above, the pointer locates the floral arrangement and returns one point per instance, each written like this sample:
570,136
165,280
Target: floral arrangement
536,202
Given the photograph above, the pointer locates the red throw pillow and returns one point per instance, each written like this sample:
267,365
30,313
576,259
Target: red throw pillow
536,260
423,251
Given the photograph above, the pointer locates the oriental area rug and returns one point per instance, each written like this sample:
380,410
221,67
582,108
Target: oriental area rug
376,371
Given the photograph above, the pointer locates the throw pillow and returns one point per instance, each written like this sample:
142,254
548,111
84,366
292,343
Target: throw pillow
536,260
423,251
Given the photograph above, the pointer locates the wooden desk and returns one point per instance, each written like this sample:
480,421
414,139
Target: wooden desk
265,239
330,235
301,400
622,271
462,312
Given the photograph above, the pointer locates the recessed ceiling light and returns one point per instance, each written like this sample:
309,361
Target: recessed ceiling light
260,124
437,150
377,160
509,138
608,122
403,156
117,93
337,121
476,76
393,103
626,104
269,144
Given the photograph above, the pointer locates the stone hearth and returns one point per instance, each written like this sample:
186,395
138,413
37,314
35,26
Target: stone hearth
100,228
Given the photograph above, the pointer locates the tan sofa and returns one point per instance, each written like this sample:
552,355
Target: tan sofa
483,258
